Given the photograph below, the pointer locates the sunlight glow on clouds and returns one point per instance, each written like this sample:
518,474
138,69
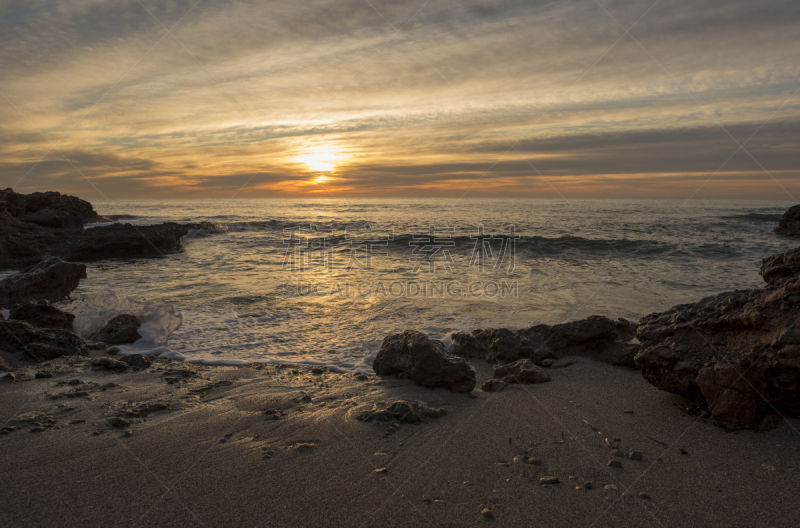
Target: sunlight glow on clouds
528,98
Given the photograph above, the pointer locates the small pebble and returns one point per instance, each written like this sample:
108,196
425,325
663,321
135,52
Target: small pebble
548,480
382,470
487,513
588,485
610,487
635,455
617,453
628,412
614,464
682,451
643,496
37,429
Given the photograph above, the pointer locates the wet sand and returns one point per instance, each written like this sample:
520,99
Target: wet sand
267,446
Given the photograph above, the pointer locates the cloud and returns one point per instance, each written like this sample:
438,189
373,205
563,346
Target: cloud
248,86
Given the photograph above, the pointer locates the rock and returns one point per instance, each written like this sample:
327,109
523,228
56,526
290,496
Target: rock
635,455
588,485
48,209
425,361
494,385
735,352
109,364
118,422
95,345
487,513
614,464
548,362
136,361
42,315
597,337
548,480
50,280
521,371
407,411
643,496
790,223
39,344
610,487
121,330
617,453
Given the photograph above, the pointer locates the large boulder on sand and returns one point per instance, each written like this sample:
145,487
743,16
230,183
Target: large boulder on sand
412,354
120,330
23,341
596,337
790,223
50,280
737,352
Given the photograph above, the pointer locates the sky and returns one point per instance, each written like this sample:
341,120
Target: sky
421,98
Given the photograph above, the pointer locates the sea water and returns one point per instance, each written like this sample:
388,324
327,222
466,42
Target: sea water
323,281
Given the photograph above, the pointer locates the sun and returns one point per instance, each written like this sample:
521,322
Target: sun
320,159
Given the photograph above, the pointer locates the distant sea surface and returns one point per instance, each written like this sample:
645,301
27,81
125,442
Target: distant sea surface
323,281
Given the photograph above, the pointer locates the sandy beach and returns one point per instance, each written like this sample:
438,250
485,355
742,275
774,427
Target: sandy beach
262,445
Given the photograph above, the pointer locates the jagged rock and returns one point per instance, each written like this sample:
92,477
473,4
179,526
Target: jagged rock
494,385
736,352
790,223
596,337
425,361
42,315
50,280
121,330
39,344
49,209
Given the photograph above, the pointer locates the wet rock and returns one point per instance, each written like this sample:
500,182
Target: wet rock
425,361
121,330
42,315
597,337
51,280
790,223
39,344
727,351
109,364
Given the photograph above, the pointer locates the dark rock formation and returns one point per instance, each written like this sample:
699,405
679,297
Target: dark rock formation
412,354
42,315
596,337
120,330
23,341
51,280
49,209
737,352
790,223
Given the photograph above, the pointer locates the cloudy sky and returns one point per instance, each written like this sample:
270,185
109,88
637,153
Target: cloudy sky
619,98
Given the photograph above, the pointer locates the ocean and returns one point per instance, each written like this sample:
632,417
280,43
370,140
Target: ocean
322,281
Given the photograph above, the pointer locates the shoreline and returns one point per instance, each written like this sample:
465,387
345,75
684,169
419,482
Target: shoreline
203,446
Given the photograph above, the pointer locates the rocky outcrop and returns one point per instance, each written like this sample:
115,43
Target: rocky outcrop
597,337
790,223
48,209
737,352
121,330
23,243
413,355
42,315
24,342
51,280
